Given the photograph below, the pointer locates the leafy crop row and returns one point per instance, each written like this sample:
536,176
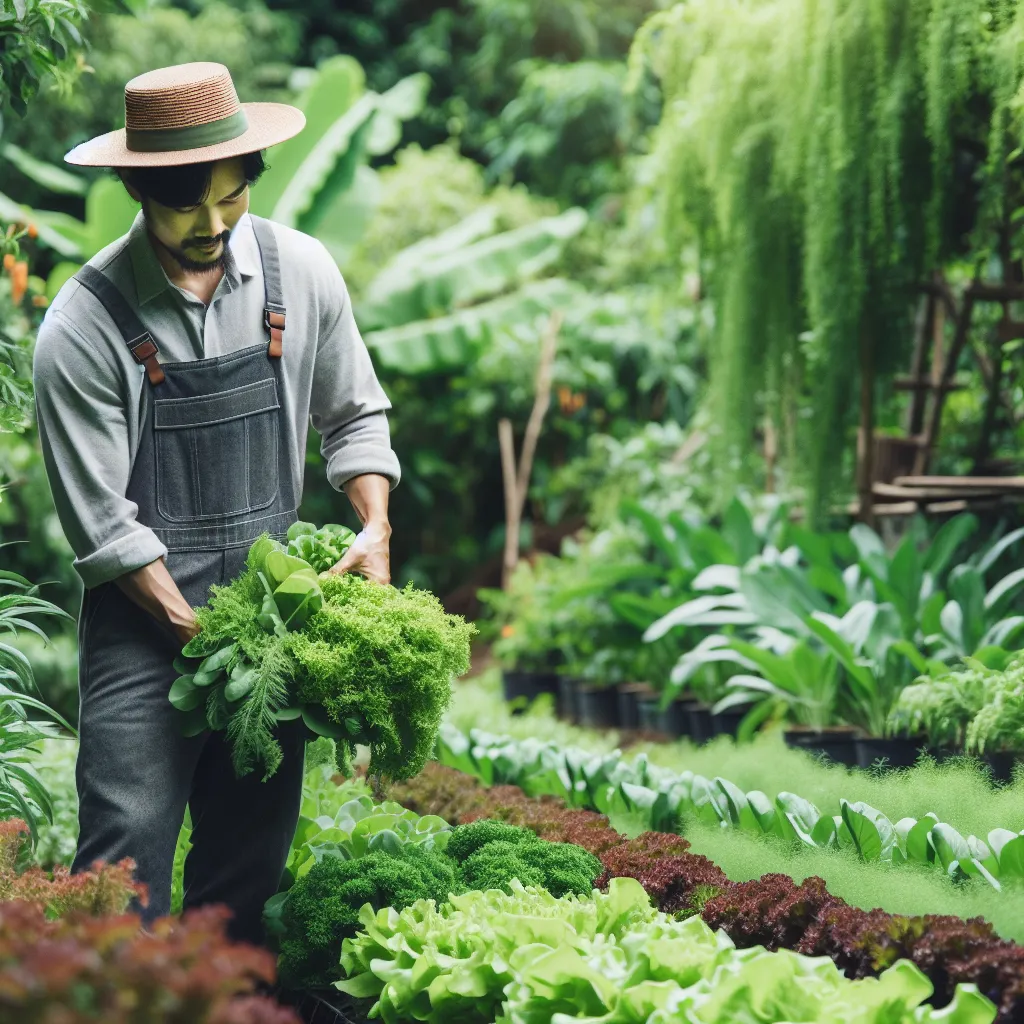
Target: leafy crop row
774,911
607,958
642,795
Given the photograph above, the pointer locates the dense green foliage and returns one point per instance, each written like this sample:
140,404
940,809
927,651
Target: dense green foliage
492,852
487,956
378,661
323,907
827,157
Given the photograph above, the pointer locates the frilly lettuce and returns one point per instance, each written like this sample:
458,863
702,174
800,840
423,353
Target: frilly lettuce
610,958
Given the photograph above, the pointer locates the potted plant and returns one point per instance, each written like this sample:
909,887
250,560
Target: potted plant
523,638
978,709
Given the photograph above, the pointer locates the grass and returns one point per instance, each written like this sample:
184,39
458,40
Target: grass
899,890
958,792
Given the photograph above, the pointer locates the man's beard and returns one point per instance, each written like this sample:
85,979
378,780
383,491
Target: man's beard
190,266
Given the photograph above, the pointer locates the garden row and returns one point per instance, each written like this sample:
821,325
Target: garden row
436,924
694,628
642,795
515,931
773,912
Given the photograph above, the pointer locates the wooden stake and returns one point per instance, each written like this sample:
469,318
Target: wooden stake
866,434
517,482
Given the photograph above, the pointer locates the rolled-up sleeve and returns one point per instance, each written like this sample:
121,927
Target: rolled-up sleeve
83,432
347,404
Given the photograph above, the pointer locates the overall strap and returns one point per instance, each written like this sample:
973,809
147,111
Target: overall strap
273,311
139,341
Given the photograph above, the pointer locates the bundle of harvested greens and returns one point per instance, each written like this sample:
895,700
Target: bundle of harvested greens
357,661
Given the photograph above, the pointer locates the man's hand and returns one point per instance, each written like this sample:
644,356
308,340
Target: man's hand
369,554
152,588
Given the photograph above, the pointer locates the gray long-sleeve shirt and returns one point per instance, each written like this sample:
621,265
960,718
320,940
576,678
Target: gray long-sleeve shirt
88,388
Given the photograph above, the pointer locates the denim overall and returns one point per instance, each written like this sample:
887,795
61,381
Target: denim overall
210,476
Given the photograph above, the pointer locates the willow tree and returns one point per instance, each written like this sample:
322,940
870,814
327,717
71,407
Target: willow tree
825,155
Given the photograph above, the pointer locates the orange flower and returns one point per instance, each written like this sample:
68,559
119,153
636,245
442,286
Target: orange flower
507,631
9,261
40,301
19,281
33,231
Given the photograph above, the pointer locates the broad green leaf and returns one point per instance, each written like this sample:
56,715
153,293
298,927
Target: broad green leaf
410,292
321,724
802,813
992,554
297,598
1004,591
243,678
450,341
214,666
946,542
279,565
949,844
1011,858
824,832
338,83
762,809
863,832
184,695
915,836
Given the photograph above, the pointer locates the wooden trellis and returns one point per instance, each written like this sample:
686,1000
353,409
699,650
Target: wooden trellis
893,476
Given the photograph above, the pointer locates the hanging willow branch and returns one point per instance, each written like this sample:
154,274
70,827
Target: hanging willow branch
826,155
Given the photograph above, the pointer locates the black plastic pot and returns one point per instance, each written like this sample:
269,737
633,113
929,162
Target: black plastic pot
517,684
838,744
568,709
629,713
897,751
673,722
1001,764
598,706
699,715
727,723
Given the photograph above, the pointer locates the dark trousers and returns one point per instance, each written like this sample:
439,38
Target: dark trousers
136,773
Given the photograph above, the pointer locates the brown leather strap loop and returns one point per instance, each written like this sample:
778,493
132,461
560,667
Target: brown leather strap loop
275,323
144,352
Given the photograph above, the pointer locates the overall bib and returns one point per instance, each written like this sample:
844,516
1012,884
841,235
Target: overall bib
212,473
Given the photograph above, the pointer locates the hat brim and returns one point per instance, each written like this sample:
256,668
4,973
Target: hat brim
269,124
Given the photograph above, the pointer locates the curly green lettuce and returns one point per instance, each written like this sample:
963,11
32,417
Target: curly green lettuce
322,907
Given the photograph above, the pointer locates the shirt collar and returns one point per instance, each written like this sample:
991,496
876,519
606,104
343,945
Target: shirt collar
242,258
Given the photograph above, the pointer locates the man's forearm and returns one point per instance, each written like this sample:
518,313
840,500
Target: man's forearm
369,496
152,588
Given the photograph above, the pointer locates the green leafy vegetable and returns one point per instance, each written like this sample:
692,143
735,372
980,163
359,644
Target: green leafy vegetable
361,663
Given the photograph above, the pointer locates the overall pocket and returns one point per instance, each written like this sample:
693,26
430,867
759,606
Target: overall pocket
217,455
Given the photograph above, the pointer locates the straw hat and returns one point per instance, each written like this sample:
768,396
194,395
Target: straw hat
187,114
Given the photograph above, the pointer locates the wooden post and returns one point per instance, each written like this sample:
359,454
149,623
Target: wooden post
943,377
771,452
866,434
918,397
517,482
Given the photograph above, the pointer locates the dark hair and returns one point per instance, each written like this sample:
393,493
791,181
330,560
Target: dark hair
184,185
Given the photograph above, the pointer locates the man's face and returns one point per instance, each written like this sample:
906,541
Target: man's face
182,233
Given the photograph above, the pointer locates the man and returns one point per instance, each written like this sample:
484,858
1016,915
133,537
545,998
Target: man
176,375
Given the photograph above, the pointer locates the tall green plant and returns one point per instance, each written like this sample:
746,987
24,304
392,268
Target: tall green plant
812,151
